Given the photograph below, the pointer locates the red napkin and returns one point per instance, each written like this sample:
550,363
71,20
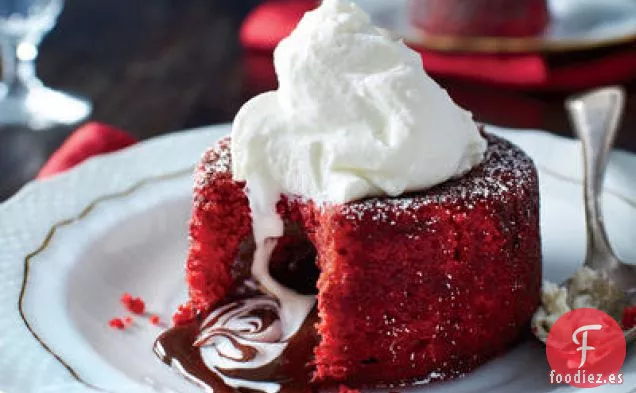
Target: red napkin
275,19
89,140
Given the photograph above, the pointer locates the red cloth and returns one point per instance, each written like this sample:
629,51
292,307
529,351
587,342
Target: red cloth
275,19
272,21
89,140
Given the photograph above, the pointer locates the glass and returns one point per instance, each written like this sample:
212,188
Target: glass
24,100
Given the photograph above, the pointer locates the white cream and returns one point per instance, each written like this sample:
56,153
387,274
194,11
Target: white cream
355,115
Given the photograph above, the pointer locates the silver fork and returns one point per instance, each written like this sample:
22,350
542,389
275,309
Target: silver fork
595,117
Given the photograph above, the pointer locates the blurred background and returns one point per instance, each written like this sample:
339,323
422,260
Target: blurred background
154,67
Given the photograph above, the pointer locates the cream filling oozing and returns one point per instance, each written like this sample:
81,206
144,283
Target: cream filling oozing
267,226
230,329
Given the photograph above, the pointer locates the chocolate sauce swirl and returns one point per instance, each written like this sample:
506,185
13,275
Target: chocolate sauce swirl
242,346
253,340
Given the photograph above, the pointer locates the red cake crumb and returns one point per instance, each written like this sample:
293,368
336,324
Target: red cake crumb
185,314
155,320
346,389
629,318
128,321
117,323
132,304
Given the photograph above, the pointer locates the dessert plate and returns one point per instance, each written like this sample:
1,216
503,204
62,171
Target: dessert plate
574,25
71,245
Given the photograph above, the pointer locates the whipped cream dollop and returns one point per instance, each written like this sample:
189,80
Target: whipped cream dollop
355,115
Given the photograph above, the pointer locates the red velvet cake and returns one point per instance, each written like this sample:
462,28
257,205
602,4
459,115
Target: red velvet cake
424,286
357,227
498,18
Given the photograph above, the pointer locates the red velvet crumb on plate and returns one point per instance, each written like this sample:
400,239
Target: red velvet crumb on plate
155,320
135,305
117,323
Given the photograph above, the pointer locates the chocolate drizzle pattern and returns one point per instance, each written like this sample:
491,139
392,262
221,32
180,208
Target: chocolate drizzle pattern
241,346
243,334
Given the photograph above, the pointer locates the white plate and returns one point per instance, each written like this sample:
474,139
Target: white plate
118,223
574,24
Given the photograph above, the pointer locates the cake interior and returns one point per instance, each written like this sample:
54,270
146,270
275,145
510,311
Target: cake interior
293,263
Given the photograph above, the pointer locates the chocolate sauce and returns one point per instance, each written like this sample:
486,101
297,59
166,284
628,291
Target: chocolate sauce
174,347
181,347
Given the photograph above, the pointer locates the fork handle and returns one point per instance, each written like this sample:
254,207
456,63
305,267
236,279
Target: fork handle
595,117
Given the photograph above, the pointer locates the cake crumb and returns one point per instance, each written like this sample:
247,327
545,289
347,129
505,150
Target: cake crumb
135,305
128,321
155,320
117,323
184,315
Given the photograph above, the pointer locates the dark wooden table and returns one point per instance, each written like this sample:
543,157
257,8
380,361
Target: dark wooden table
152,67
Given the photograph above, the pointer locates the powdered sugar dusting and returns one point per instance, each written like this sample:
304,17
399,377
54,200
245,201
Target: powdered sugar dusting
215,160
506,169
